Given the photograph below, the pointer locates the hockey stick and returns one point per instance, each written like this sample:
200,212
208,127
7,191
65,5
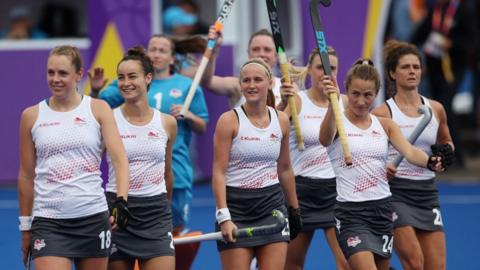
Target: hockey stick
427,116
224,11
277,37
29,260
240,233
327,70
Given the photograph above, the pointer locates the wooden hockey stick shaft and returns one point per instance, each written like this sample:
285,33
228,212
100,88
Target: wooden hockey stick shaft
282,57
333,98
219,23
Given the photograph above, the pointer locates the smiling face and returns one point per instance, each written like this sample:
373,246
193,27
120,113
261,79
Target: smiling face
262,46
361,95
255,83
407,73
132,80
160,53
62,75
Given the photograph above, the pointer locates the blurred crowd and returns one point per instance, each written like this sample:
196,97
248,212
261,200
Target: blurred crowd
52,20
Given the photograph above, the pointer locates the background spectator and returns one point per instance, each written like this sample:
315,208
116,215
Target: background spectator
21,25
445,36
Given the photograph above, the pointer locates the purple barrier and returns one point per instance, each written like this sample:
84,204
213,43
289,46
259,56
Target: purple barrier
344,26
24,84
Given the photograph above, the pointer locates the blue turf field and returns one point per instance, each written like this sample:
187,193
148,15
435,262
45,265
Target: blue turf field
460,210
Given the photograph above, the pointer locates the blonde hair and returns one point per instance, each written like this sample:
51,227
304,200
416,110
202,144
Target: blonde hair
268,71
72,52
300,74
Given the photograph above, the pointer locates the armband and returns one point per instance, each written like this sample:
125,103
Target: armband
25,223
222,215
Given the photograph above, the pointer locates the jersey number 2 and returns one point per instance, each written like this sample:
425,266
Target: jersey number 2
438,217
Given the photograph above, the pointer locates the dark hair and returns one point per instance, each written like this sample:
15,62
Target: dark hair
71,52
261,32
137,53
189,3
365,70
392,52
183,46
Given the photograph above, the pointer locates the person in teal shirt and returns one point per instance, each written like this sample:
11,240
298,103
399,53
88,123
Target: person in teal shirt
167,93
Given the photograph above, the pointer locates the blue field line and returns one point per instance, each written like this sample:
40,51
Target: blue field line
459,201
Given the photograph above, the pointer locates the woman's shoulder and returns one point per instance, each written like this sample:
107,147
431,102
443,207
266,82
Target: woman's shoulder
381,110
169,122
30,112
228,115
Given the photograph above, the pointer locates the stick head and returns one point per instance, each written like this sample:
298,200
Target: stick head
273,228
29,260
325,3
425,110
279,216
427,113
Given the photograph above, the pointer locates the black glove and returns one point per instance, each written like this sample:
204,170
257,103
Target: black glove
431,162
294,222
120,212
444,151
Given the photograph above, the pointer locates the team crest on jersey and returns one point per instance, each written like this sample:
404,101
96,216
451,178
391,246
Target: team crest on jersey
39,244
376,133
175,93
353,241
79,121
113,249
153,135
338,224
394,216
274,137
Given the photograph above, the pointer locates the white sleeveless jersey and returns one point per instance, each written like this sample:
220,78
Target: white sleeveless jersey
146,147
254,153
366,178
68,153
275,90
425,140
313,161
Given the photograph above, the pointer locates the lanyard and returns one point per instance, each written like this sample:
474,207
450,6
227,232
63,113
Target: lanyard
447,18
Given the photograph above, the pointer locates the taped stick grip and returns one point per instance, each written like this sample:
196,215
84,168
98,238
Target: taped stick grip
293,106
333,98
